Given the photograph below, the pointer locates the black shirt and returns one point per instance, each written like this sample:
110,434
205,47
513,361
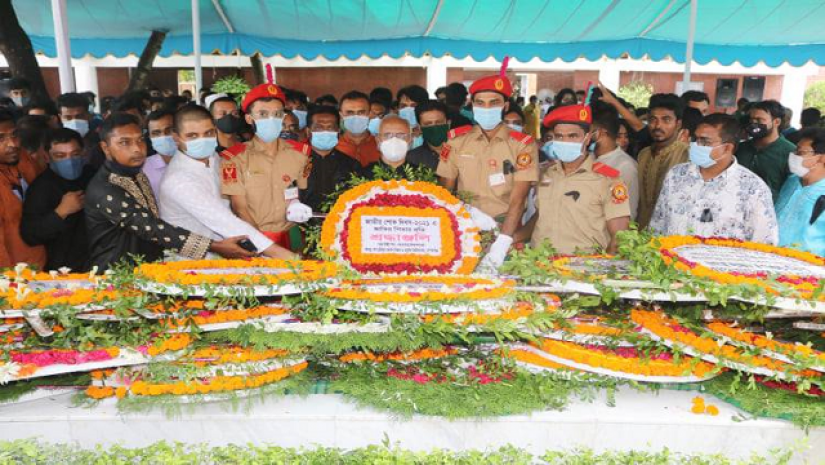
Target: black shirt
423,155
327,173
65,238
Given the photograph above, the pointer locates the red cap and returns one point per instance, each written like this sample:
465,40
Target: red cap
263,91
495,83
572,114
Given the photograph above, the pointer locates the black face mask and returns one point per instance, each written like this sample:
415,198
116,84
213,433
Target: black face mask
758,130
288,135
122,170
229,124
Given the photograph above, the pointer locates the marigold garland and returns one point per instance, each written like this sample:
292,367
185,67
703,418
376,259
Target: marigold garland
27,298
784,348
528,357
174,343
206,317
805,285
184,272
517,312
417,199
423,354
625,360
221,355
208,386
474,289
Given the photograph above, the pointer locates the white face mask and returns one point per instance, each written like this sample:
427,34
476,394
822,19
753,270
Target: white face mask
795,165
394,150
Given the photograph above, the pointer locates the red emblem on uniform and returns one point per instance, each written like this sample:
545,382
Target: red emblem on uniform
499,84
523,161
619,193
286,178
445,153
493,164
230,173
272,90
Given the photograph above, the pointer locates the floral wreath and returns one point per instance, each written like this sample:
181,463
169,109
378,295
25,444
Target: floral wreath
561,265
341,231
17,292
770,347
185,272
421,354
471,288
805,285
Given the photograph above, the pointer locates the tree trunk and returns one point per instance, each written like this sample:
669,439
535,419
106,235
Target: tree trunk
140,76
257,68
17,48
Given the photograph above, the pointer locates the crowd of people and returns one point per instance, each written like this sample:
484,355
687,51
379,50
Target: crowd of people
160,175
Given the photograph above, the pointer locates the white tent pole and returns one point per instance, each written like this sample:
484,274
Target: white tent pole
64,51
196,47
689,51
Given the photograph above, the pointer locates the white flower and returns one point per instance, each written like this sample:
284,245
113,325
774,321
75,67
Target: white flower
93,272
8,372
20,267
4,284
53,274
64,270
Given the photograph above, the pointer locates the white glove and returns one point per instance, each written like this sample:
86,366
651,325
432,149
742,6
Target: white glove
484,221
298,212
495,257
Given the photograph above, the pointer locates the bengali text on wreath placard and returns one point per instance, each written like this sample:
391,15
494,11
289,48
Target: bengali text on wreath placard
401,235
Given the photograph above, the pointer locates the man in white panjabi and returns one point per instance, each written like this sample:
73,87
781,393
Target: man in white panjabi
190,188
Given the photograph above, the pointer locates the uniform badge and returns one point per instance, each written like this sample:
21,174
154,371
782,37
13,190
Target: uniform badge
445,153
230,173
524,161
286,178
499,84
619,193
493,164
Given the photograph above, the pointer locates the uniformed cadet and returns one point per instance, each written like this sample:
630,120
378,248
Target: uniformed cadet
582,203
262,177
493,163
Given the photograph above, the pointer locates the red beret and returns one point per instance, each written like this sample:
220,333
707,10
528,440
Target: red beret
263,91
573,114
494,83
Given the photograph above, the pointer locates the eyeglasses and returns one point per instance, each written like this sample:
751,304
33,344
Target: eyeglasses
396,135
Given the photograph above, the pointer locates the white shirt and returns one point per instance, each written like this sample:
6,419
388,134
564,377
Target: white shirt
153,168
190,198
736,204
620,161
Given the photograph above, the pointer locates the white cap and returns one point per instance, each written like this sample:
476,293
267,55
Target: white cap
207,102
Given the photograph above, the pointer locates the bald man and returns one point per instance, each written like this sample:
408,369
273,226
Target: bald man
394,138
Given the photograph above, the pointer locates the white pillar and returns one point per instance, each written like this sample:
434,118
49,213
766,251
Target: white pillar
689,49
64,50
87,80
196,47
610,74
793,92
436,75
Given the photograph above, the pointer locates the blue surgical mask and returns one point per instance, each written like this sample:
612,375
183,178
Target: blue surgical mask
418,141
487,118
408,113
356,124
164,145
700,155
268,129
79,125
567,152
516,127
302,118
324,140
68,168
547,150
375,123
201,148
591,147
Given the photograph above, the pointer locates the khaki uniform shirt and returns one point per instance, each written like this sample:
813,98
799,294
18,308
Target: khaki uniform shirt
263,178
487,169
652,172
573,209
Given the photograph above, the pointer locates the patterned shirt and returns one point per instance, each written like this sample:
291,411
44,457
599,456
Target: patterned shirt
735,204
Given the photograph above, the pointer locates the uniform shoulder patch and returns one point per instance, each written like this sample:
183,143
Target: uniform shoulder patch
606,170
461,130
619,193
233,151
521,137
299,146
445,152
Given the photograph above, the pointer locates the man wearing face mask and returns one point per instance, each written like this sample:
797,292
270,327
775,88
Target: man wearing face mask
357,142
581,202
227,118
328,167
73,110
801,203
766,153
408,99
605,147
53,210
121,211
262,176
492,162
20,91
296,102
190,192
432,116
394,136
159,125
713,195
291,128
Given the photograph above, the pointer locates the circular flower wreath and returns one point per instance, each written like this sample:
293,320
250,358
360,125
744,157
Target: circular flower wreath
341,232
399,289
805,285
187,272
